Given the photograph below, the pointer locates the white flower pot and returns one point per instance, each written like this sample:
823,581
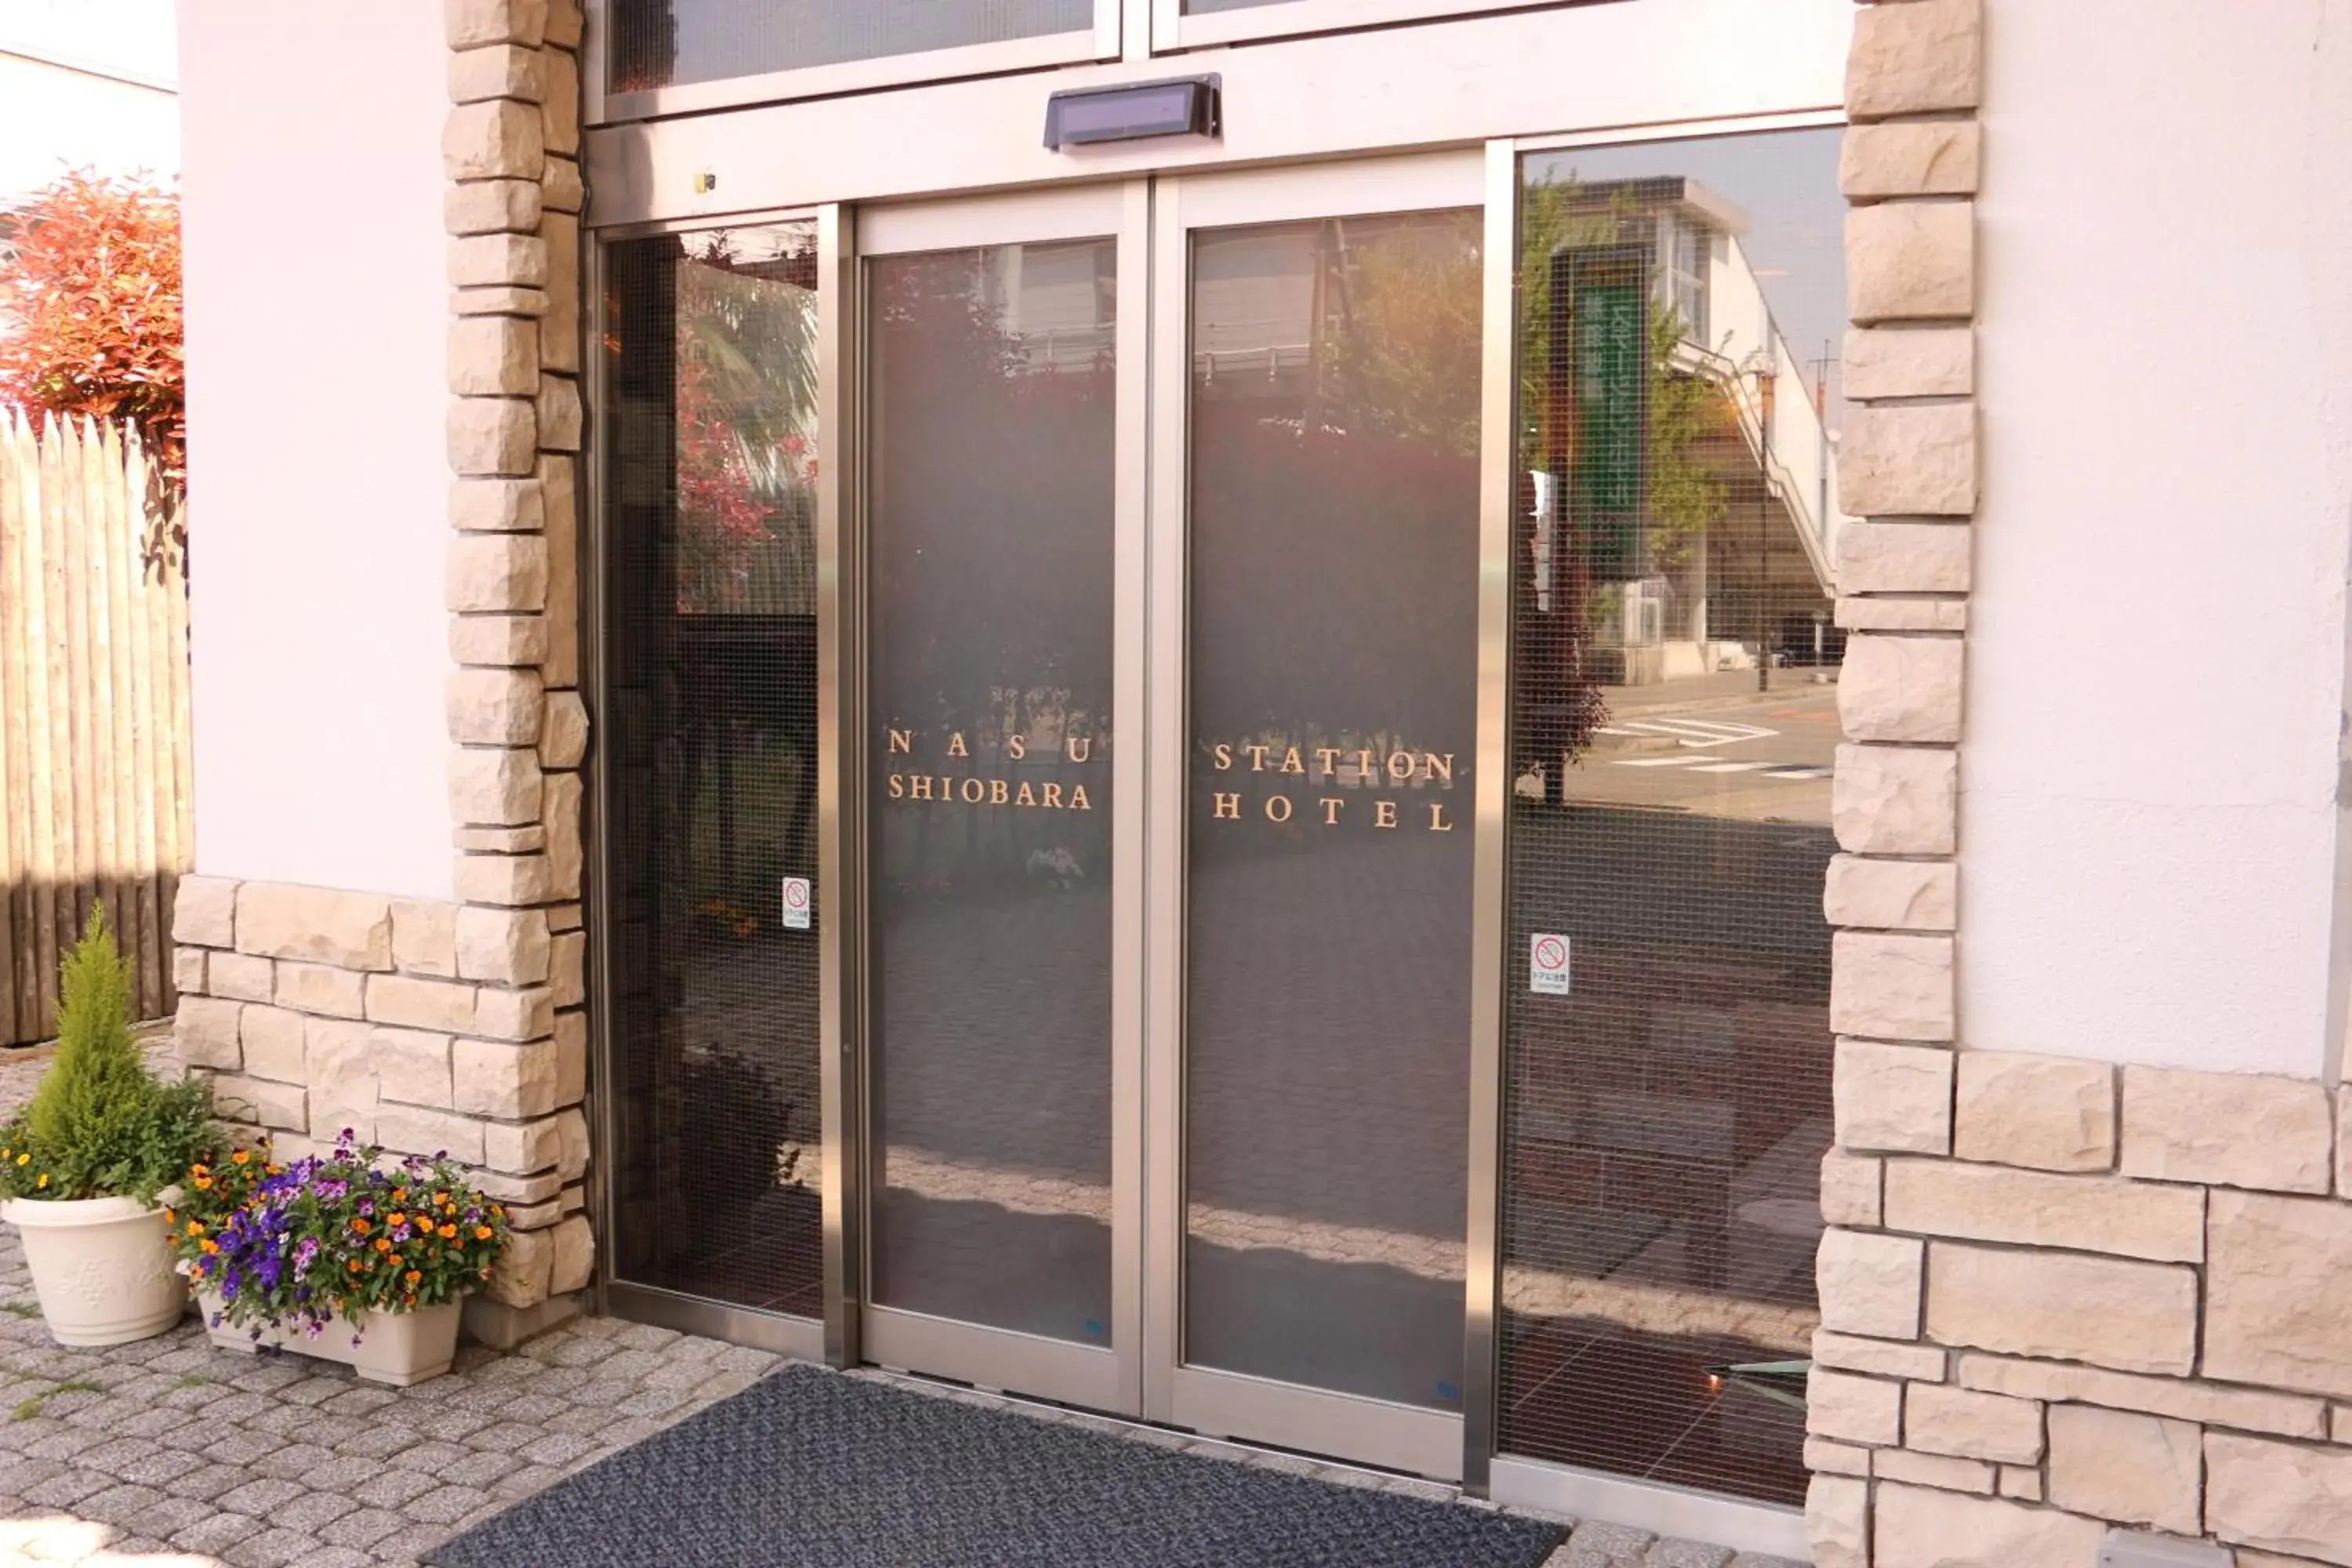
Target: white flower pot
100,1268
398,1348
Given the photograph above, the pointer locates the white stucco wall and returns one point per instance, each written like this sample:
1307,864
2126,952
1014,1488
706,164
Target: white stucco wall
2148,824
317,318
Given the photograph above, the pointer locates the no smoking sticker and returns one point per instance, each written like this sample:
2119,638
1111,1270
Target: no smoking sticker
1547,964
796,903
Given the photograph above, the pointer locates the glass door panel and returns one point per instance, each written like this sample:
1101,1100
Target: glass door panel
1326,433
1673,737
676,43
710,749
993,463
1334,622
991,422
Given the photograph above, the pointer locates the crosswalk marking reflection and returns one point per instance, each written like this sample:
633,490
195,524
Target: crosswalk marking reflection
1700,765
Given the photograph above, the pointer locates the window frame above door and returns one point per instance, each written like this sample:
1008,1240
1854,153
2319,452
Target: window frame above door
602,105
1173,29
1340,95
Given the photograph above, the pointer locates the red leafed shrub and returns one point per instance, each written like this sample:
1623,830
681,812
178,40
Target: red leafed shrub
90,310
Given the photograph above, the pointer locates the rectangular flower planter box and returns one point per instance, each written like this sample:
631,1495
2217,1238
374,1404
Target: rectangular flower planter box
398,1348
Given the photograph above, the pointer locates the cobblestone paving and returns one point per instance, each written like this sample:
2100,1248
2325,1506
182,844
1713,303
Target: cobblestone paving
173,1453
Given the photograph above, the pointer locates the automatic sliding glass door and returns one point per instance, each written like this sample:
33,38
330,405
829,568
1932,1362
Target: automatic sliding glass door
999,1093
1317,518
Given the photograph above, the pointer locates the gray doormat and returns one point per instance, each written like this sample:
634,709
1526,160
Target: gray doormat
808,1468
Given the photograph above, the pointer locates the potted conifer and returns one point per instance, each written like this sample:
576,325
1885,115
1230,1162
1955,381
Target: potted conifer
86,1166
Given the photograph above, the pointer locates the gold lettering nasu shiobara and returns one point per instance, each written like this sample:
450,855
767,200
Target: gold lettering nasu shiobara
1049,794
946,788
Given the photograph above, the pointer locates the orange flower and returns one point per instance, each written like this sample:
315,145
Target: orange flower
399,1195
447,1231
413,1276
243,1156
482,1233
396,1217
203,1183
195,1227
382,1244
355,1265
395,1260
361,1225
209,1246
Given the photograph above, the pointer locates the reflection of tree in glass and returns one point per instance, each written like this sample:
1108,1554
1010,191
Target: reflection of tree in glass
645,44
992,504
1400,334
1334,500
746,462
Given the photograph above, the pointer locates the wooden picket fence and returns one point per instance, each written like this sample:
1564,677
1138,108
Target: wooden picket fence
96,801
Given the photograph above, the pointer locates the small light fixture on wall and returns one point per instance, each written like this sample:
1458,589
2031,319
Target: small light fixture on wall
1132,112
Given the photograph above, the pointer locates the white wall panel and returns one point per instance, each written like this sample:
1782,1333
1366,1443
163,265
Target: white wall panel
316,320
2149,818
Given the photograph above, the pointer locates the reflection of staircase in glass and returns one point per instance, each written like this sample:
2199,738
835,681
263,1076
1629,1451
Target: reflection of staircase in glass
1784,433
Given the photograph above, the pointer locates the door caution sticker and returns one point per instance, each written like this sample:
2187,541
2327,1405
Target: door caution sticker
1547,964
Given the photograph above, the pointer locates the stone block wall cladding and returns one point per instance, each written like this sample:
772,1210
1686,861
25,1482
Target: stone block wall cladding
459,1026
2058,1296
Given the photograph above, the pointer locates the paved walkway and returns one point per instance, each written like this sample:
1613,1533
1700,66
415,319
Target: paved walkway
170,1453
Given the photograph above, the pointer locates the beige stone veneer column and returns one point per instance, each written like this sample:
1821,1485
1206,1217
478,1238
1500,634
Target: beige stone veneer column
2058,1296
511,150
458,1026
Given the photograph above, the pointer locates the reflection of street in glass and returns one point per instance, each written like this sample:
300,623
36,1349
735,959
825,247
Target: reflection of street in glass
1765,759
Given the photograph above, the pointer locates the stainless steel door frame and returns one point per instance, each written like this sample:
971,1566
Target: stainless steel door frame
841,794
1422,1441
1069,1371
1497,415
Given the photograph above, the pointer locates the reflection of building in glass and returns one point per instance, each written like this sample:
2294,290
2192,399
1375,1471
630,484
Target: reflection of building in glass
1665,1121
1730,562
1056,302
